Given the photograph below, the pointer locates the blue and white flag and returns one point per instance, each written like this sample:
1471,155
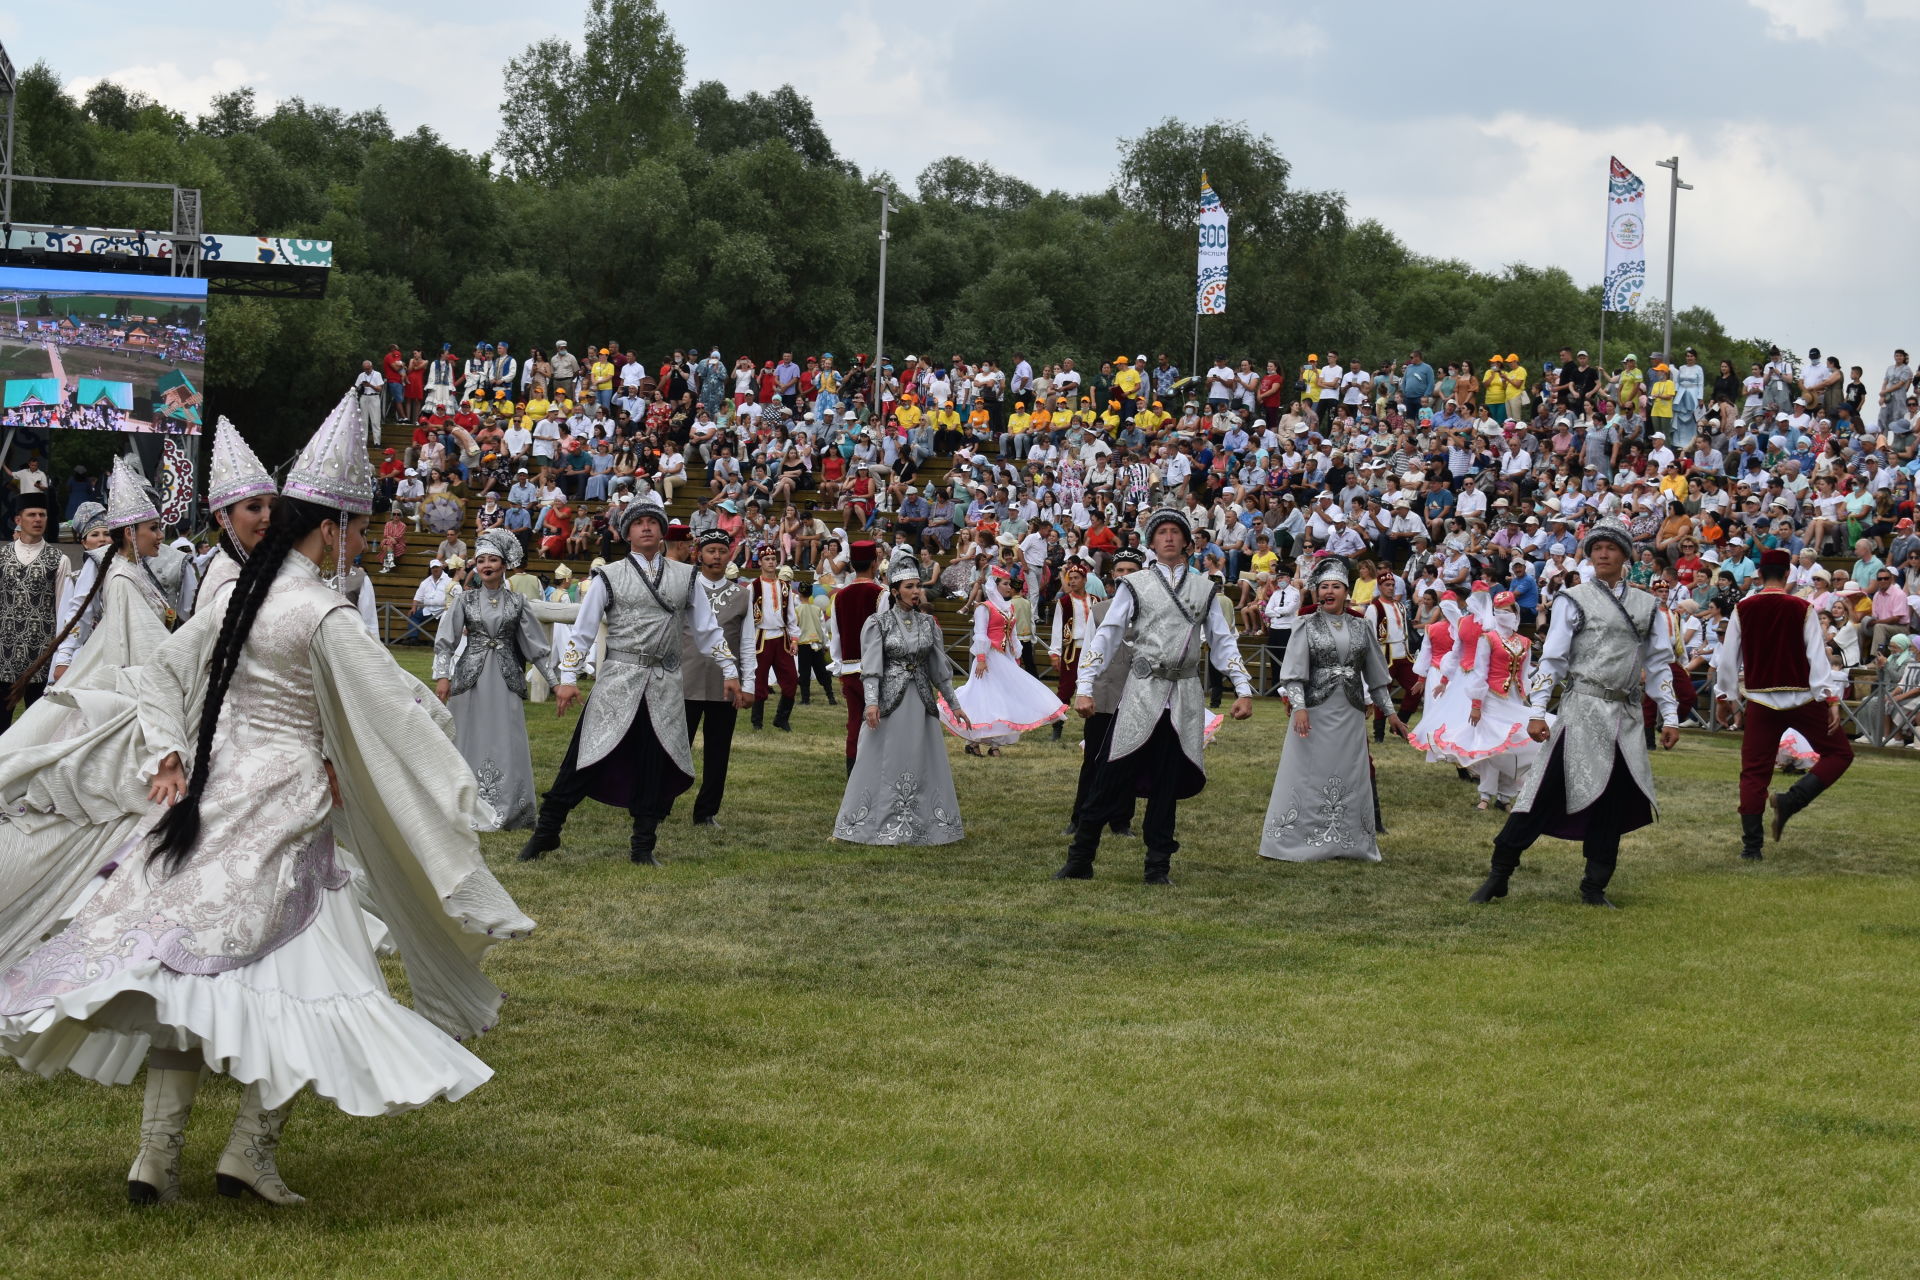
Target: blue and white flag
1626,277
1210,295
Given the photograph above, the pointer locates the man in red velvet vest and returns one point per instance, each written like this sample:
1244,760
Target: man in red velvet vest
852,606
1775,658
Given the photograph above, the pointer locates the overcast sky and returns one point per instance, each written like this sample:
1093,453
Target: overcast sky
1469,133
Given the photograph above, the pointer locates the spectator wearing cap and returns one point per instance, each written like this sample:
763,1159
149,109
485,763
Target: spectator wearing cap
429,602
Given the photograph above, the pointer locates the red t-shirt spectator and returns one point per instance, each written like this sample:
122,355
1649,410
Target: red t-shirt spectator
395,366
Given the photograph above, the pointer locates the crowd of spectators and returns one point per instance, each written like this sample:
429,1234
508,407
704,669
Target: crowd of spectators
1437,476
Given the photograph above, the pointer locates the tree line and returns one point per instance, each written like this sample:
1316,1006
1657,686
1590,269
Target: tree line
620,202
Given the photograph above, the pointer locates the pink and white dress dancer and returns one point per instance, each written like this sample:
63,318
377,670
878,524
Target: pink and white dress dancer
1491,739
1430,666
1000,698
1796,754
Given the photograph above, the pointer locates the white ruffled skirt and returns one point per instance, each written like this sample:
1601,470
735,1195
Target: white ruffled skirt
314,1013
1004,703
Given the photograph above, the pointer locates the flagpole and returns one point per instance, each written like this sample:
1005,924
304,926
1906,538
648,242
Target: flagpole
1193,370
1601,363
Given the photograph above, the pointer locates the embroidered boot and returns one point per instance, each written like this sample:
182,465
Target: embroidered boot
155,1176
1753,836
1791,801
1506,860
248,1164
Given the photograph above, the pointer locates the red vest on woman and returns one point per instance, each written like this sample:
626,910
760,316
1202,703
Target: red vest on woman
1471,629
1440,639
1506,659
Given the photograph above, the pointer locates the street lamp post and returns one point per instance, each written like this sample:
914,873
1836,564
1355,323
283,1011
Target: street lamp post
880,321
1673,219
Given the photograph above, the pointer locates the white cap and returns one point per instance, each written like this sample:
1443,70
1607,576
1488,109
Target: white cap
435,564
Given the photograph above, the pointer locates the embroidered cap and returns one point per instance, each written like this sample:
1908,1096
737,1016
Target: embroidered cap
1607,530
234,474
1332,569
334,470
498,542
1168,515
647,508
903,566
128,501
87,517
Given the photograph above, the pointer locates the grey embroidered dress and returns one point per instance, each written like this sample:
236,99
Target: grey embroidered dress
901,787
1322,804
487,637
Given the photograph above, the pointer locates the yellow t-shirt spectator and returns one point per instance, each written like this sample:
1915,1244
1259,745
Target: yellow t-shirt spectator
1018,422
1493,388
1661,395
601,374
536,410
1516,380
1128,380
947,419
1674,488
907,415
1630,380
1266,561
1151,420
1041,420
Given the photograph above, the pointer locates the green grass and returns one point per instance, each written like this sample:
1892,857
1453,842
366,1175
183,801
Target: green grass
779,1056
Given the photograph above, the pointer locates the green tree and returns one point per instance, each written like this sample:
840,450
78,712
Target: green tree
568,115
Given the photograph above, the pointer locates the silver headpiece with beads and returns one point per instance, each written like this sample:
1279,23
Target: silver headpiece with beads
500,543
1331,568
234,474
128,501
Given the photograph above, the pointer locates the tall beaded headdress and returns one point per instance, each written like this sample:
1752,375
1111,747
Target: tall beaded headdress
128,501
234,474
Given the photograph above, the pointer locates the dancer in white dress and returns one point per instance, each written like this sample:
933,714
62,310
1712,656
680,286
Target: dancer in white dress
227,941
69,797
1430,666
1001,700
240,493
1492,738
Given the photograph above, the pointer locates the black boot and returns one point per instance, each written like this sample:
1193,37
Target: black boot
849,766
1157,866
783,717
1753,836
1593,885
1506,860
1059,727
806,695
1791,801
1379,827
1379,728
545,839
831,700
1080,854
640,847
1073,869
759,717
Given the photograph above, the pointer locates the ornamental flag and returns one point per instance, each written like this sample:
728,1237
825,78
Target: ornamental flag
1626,277
1211,294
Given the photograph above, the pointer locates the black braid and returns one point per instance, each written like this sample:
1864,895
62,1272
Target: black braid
293,520
121,538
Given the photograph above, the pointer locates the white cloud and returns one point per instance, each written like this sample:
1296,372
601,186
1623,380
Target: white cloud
1801,19
188,90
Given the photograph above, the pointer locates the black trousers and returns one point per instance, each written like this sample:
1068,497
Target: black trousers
638,769
1096,736
28,696
1114,789
1621,808
813,666
715,752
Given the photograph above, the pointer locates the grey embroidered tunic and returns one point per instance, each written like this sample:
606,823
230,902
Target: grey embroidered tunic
901,787
1322,803
487,637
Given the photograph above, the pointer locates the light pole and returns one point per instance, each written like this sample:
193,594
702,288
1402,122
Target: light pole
1673,219
880,322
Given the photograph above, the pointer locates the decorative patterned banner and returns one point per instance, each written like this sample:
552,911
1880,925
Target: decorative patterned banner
1626,277
176,482
1210,296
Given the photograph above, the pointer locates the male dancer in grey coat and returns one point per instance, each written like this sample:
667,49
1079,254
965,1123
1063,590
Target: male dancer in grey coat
630,748
705,684
1167,611
1607,644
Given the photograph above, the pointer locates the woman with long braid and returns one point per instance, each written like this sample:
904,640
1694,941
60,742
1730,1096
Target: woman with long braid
240,494
227,940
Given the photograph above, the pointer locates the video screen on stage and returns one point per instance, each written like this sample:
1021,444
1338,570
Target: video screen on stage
102,351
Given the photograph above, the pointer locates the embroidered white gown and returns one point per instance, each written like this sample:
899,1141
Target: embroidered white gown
254,952
1004,701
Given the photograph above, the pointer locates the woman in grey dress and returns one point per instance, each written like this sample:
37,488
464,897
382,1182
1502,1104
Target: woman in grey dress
1323,802
484,681
901,787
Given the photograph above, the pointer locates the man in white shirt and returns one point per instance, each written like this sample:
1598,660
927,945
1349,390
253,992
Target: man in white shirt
1283,615
1344,539
1221,384
1033,554
369,388
546,438
429,602
775,622
1659,457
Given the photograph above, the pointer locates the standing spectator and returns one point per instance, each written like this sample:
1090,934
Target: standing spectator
393,373
1416,381
566,372
786,382
600,378
1893,391
1222,384
368,387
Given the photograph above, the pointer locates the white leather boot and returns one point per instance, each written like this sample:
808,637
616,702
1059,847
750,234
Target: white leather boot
248,1162
155,1176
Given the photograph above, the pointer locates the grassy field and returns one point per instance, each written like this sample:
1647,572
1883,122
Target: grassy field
779,1056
